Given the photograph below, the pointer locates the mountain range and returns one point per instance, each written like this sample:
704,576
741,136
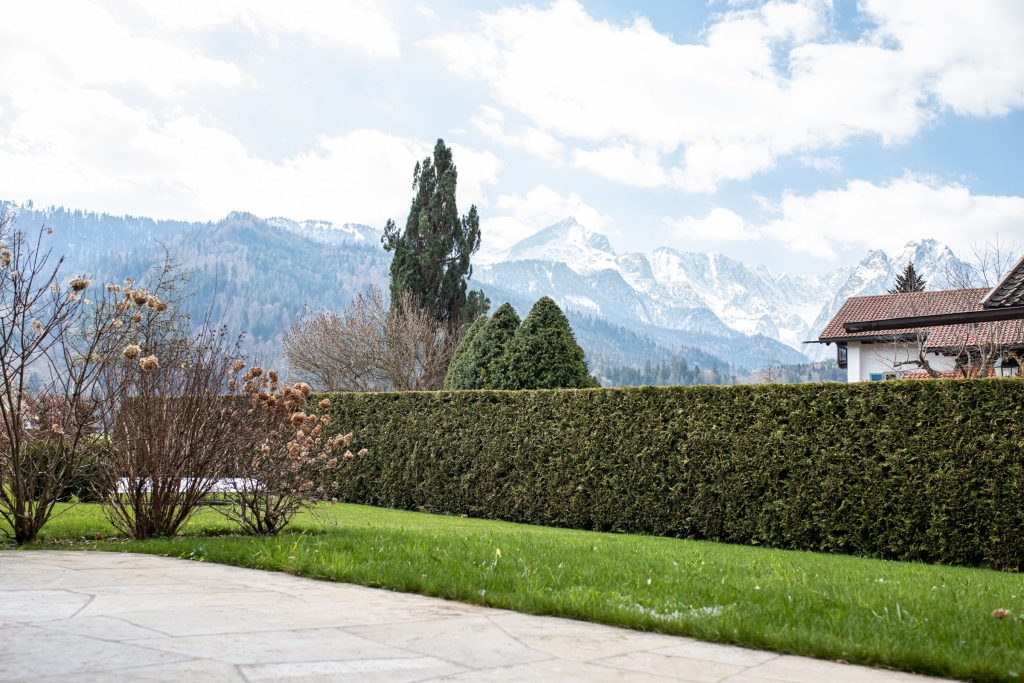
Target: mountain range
723,301
627,309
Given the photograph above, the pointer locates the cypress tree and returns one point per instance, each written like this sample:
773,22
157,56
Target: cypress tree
460,372
432,254
478,368
908,281
543,353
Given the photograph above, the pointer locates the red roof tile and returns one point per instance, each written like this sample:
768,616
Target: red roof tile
943,374
884,306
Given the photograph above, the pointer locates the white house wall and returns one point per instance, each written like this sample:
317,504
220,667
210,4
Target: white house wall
863,360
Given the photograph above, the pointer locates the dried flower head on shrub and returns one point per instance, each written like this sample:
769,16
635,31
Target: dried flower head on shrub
78,284
286,461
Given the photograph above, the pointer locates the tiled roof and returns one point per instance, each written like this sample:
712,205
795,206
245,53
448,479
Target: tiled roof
943,374
1010,290
884,306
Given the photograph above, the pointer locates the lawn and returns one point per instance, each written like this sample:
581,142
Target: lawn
916,617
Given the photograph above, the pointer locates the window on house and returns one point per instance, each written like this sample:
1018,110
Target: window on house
876,376
841,355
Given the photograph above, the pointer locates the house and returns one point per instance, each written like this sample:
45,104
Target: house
943,333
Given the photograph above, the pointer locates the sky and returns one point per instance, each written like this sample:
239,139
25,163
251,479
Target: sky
794,133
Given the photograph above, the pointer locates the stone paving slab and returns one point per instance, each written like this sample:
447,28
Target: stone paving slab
90,616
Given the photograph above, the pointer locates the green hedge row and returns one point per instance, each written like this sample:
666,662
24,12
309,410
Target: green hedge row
926,470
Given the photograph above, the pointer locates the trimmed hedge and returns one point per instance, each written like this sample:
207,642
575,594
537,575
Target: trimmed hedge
926,470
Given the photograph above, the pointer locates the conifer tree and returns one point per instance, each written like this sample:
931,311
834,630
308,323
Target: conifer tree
543,354
460,373
432,254
478,368
908,281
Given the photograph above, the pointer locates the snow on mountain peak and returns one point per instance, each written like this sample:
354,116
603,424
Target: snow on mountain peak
327,232
748,299
567,241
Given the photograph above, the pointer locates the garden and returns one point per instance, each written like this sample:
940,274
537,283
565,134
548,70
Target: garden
878,524
912,616
874,524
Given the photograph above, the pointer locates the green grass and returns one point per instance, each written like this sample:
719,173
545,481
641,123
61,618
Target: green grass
917,617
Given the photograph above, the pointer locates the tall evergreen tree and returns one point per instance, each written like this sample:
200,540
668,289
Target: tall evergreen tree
908,281
432,254
543,354
478,368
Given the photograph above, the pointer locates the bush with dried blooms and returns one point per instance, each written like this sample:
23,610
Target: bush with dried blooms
54,346
287,451
172,432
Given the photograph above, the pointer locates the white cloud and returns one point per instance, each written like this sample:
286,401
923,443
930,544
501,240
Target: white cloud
354,24
427,13
623,163
71,137
543,206
765,82
829,164
516,216
971,50
720,225
91,48
181,168
491,122
888,215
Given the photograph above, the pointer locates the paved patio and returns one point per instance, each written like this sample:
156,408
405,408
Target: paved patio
87,616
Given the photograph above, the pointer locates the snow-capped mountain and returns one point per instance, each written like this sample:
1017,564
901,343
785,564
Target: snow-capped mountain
627,309
706,293
876,273
326,232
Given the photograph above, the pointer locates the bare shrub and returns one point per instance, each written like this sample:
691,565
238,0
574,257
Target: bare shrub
53,341
983,265
172,425
287,456
372,347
